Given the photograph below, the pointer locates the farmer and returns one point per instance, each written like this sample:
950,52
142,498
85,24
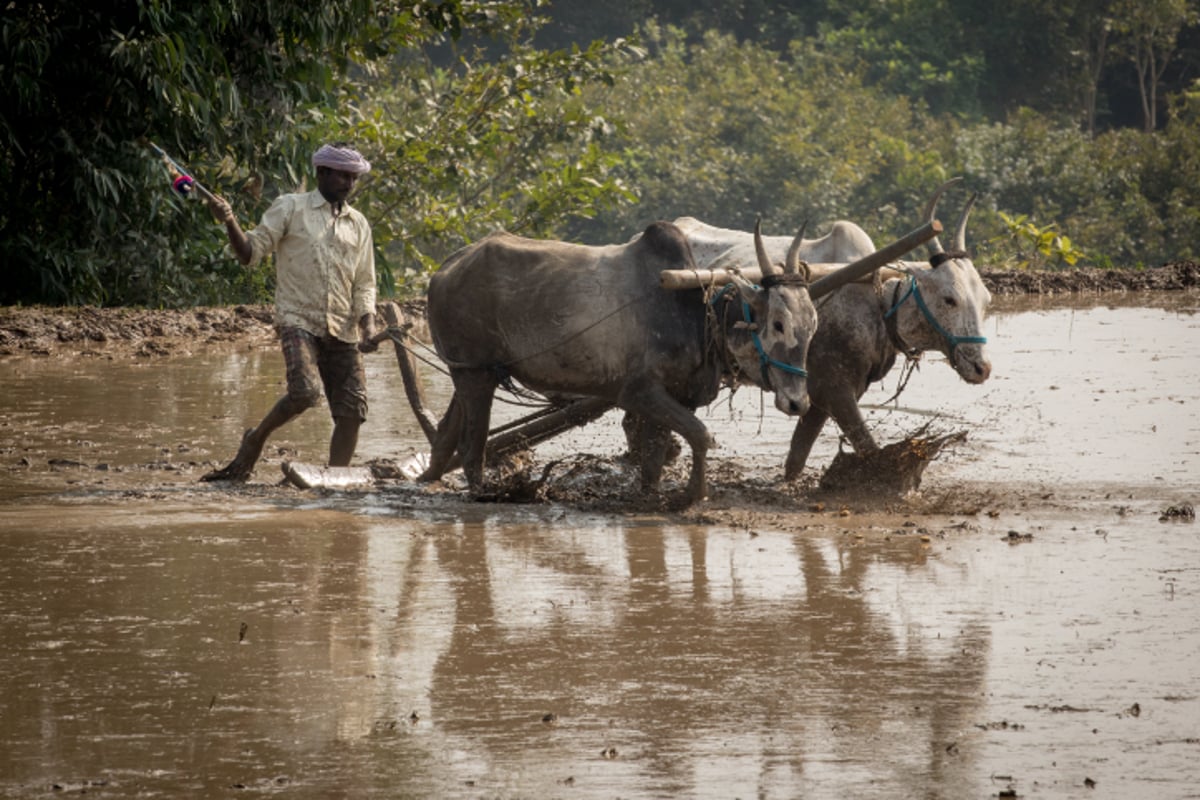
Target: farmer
324,302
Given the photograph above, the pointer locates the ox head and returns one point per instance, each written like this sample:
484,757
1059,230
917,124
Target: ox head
771,342
942,307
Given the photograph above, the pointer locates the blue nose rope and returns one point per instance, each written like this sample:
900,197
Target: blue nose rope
764,360
915,292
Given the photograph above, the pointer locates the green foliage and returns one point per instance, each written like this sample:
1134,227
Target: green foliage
727,131
815,111
1038,248
913,49
1149,34
506,143
83,83
241,93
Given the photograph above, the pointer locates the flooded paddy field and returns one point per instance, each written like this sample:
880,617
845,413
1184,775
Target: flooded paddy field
1026,625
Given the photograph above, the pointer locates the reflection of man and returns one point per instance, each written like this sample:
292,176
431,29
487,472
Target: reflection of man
324,302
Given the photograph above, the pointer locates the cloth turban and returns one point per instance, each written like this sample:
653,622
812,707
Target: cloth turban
346,159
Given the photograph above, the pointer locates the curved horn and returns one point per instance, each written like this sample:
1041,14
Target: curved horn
793,264
960,230
764,263
935,246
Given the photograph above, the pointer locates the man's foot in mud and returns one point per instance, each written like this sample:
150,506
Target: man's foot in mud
240,469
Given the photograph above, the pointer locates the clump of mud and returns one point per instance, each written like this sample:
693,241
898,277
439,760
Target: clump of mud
1184,512
895,469
512,480
583,481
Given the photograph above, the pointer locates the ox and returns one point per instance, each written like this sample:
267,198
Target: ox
936,306
568,319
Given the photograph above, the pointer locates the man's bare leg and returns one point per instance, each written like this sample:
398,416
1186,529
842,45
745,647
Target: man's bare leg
253,441
343,441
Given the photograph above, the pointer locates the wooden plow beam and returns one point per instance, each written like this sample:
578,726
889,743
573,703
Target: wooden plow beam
539,427
398,331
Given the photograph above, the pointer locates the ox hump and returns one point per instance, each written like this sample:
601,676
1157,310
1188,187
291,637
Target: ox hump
664,241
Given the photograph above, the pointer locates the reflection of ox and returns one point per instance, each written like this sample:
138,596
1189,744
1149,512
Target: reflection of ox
935,306
569,319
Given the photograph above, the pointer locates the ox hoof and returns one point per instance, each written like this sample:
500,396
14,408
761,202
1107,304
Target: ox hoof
682,501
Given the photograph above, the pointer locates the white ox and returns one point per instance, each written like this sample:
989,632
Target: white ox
938,306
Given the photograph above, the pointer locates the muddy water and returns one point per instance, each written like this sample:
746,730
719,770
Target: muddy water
164,638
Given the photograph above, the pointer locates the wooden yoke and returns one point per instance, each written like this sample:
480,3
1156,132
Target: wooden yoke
832,275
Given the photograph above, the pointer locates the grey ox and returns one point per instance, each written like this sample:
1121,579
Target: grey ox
568,319
937,306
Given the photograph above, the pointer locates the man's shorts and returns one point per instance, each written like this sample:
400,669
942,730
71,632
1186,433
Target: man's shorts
313,361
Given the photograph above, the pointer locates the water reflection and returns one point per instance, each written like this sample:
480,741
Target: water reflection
711,662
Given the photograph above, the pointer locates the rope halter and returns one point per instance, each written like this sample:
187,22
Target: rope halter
765,361
914,291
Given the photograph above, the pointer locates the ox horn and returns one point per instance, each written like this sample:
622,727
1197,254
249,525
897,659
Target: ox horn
794,265
764,263
935,246
960,230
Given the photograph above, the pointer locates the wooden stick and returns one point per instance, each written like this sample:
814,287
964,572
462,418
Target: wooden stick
393,317
868,264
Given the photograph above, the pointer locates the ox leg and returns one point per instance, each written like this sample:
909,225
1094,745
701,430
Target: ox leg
654,442
849,418
475,390
445,441
855,428
649,445
806,433
659,408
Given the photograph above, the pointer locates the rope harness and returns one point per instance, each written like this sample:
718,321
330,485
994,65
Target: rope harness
914,292
765,361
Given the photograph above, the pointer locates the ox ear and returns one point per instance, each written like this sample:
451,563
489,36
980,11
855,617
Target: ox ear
760,250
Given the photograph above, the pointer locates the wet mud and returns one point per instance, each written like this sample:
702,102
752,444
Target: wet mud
1025,624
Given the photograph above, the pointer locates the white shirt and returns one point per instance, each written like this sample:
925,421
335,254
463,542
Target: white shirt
324,265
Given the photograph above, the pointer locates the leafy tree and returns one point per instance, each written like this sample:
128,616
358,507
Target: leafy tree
770,23
484,145
1093,57
726,131
84,82
1149,31
915,48
237,91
